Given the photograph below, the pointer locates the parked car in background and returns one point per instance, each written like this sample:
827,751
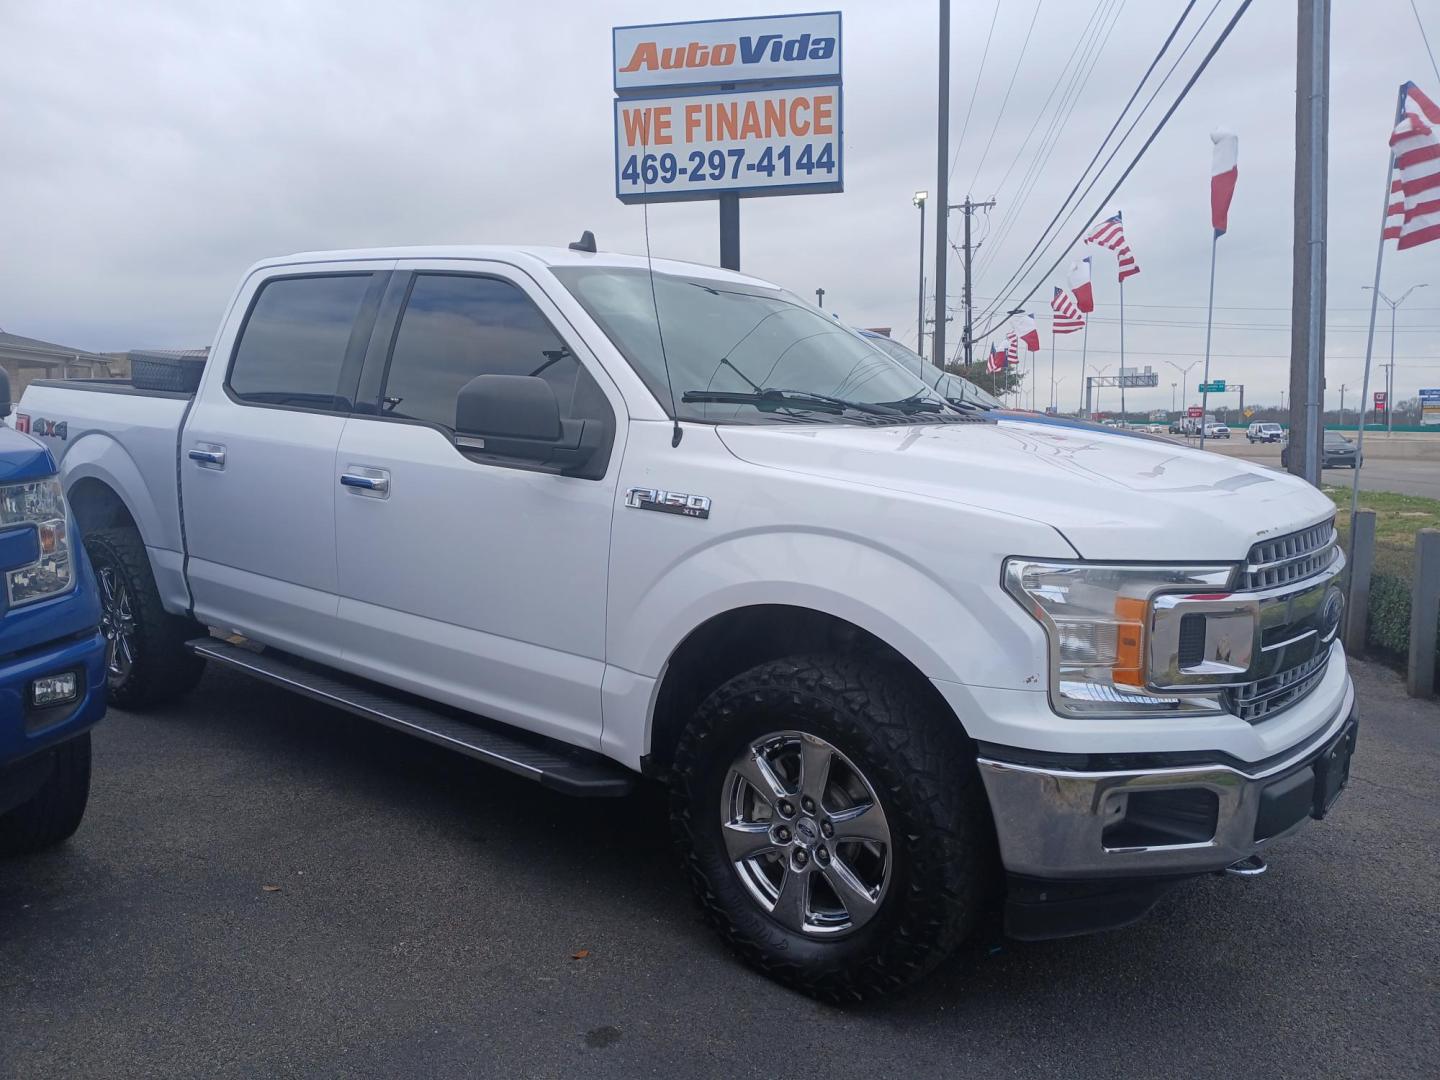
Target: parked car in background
1216,431
1265,432
1339,453
954,388
587,518
52,653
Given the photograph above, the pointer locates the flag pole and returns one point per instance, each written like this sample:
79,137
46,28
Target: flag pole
1209,317
1051,404
1084,350
1370,336
1122,351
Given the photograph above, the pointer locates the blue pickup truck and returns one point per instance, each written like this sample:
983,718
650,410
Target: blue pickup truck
53,655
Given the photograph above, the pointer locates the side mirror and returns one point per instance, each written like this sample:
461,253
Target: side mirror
516,416
4,393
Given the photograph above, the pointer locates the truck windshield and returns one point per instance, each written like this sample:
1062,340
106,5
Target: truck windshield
742,354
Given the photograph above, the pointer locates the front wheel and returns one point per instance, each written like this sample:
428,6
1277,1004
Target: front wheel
54,812
832,820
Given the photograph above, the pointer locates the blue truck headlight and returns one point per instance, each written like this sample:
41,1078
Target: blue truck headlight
39,505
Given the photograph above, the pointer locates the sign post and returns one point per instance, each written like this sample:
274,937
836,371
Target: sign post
728,109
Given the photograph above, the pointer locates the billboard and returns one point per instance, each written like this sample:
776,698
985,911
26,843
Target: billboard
756,142
719,51
1381,400
728,106
1430,407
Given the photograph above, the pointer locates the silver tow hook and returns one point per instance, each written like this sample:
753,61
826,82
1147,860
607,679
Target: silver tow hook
1248,867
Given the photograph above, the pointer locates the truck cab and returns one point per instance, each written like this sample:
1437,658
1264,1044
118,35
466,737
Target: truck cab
52,652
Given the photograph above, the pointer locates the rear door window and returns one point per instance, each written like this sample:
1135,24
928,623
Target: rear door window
294,343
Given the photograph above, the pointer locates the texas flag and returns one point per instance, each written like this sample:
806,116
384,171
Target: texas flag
1080,285
1224,170
1027,331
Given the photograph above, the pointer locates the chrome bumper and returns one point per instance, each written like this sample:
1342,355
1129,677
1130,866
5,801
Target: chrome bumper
1061,824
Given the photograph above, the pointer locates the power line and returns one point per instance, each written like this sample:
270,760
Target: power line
1079,80
1006,99
1184,93
973,91
1425,38
1164,47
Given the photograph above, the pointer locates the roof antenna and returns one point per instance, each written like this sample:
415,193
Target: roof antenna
655,303
585,243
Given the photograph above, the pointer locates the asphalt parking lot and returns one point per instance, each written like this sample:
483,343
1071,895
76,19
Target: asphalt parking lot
265,887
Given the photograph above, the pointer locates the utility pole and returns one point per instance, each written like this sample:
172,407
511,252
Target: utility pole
968,208
1307,320
942,185
1342,404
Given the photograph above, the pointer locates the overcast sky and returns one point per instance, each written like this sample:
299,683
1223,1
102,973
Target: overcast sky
152,150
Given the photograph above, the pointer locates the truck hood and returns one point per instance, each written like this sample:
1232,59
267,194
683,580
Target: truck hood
1110,496
22,458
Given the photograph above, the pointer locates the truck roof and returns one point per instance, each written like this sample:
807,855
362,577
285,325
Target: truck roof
519,254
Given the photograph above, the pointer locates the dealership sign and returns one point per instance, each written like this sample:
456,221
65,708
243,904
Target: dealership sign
741,106
1430,407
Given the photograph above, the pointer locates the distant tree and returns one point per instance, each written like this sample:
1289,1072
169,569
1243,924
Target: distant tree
1003,382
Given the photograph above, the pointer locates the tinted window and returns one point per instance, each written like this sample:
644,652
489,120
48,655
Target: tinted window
294,342
456,327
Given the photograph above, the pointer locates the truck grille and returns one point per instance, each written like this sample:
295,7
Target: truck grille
1256,701
1293,557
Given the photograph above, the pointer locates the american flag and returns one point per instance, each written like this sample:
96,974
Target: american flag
1111,235
1413,217
1067,318
996,363
1012,350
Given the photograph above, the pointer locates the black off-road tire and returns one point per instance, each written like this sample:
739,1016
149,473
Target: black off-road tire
922,767
163,668
53,813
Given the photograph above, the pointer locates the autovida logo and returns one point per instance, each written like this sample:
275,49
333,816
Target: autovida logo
777,49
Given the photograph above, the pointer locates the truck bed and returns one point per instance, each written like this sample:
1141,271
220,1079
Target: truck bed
108,430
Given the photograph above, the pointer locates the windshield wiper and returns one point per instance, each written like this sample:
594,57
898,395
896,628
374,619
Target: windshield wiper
770,398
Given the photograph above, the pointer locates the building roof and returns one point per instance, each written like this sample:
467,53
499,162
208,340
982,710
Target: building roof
33,350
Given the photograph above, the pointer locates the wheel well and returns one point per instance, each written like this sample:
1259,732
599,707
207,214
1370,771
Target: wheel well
723,647
96,506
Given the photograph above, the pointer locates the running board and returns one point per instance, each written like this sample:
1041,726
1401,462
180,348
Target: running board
568,769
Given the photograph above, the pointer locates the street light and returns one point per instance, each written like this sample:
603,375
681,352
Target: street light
1390,367
1184,374
1095,410
1172,397
919,200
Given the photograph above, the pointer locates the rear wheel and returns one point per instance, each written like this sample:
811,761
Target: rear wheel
54,812
146,659
833,824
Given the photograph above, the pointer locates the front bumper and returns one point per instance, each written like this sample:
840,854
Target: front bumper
1057,824
25,731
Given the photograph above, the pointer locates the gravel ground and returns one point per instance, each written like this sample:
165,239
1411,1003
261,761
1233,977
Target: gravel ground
265,887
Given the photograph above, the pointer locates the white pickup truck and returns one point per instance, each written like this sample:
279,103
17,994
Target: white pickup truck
588,519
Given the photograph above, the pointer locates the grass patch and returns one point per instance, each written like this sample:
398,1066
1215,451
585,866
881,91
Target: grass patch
1397,517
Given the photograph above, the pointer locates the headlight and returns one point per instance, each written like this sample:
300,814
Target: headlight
1097,618
41,505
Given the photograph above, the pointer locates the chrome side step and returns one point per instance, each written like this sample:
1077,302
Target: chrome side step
571,770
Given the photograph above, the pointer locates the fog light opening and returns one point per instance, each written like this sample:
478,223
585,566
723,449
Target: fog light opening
50,690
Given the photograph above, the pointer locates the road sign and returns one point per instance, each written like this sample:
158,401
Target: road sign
1215,386
1249,413
1195,412
1430,408
1382,400
728,106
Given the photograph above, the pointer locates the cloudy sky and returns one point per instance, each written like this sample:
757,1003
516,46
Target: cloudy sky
154,149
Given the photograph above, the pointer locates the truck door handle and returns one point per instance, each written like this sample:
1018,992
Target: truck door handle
380,485
209,456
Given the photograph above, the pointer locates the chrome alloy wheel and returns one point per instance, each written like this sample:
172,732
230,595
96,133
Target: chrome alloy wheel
805,831
117,623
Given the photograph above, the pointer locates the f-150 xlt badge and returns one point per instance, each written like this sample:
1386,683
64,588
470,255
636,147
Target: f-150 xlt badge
668,502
